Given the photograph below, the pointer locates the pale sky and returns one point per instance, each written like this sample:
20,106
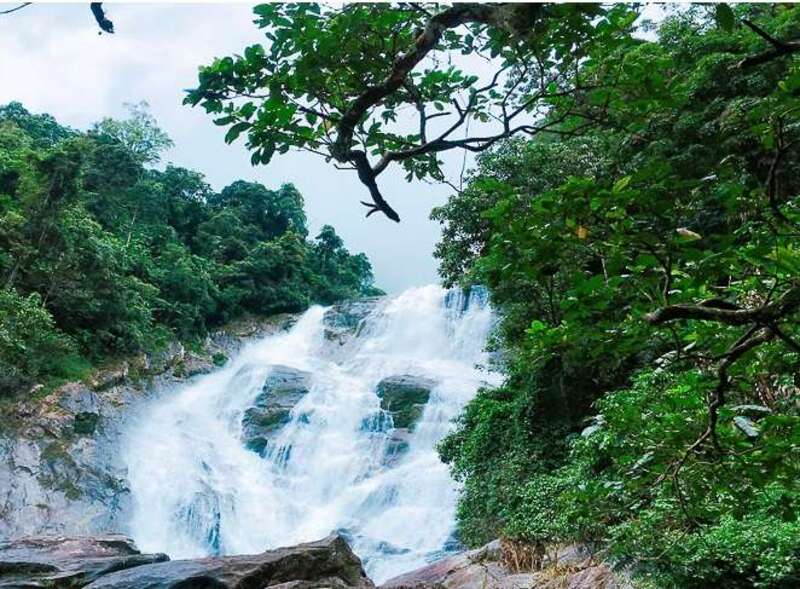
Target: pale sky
52,60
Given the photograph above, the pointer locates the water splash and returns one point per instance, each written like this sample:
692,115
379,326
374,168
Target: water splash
197,490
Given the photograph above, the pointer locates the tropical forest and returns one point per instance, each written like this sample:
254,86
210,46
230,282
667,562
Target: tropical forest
203,384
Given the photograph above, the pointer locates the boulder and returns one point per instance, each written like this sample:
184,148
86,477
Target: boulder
110,376
485,568
404,398
282,390
344,321
67,561
193,364
325,563
113,562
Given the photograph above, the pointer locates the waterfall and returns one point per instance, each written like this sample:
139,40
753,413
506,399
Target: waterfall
198,490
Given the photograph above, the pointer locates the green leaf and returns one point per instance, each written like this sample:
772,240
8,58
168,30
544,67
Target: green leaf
621,184
235,131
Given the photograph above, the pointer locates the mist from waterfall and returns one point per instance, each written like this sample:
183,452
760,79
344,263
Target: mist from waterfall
197,490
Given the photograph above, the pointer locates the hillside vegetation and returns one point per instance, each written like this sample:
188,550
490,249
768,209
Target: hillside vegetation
103,254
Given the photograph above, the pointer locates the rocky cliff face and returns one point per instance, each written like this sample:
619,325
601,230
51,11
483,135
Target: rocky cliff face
59,465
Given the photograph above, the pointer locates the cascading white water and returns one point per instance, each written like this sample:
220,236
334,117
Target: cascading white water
197,490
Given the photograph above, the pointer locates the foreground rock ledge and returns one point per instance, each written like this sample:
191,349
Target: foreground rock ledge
67,561
113,562
484,569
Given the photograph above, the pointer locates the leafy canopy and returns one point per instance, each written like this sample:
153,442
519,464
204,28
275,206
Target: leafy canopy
369,85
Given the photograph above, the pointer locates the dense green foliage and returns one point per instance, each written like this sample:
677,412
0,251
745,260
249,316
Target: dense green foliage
101,255
637,413
634,214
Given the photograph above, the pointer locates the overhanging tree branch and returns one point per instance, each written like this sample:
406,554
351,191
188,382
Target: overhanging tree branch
96,8
715,311
342,148
779,48
346,104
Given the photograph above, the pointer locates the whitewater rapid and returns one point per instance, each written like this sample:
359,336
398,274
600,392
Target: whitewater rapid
197,490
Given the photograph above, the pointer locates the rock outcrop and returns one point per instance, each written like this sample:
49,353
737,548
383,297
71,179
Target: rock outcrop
282,390
404,398
60,469
326,563
486,568
344,321
113,562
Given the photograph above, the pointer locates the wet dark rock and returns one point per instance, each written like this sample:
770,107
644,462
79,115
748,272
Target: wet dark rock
326,563
404,398
377,422
65,561
345,320
282,390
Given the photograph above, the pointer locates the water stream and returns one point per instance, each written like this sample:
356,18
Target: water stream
198,490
